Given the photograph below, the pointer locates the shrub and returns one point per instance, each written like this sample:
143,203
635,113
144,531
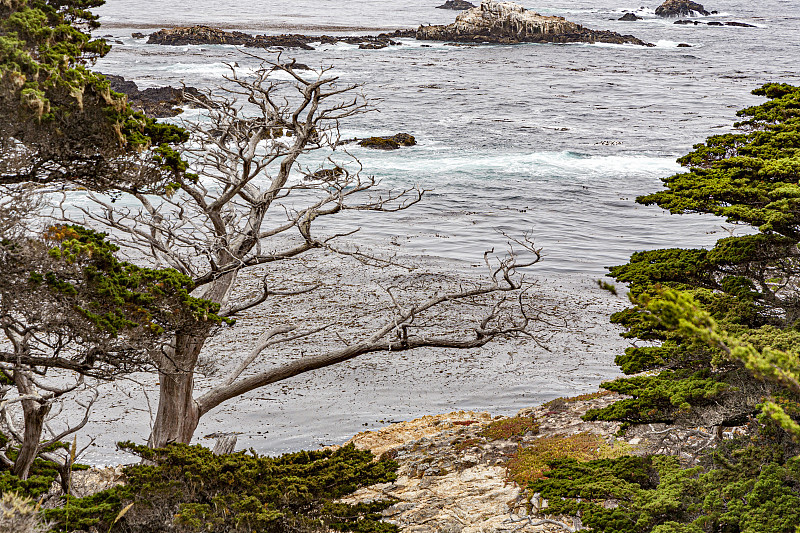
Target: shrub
186,489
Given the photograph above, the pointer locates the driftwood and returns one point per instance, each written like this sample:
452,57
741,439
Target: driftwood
224,445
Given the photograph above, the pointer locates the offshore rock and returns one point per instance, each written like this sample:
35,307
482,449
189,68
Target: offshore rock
155,102
389,143
206,35
630,17
715,23
680,8
510,23
458,5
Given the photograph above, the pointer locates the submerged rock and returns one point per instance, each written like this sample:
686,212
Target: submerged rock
680,8
458,5
510,23
629,17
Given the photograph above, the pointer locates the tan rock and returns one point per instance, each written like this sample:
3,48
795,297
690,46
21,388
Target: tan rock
396,435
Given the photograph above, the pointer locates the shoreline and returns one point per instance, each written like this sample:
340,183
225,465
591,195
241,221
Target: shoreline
330,405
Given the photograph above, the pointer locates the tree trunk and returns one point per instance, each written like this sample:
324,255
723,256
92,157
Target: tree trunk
177,415
34,413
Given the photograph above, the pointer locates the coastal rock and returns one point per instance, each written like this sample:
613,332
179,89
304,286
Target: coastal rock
137,35
510,23
715,23
389,143
197,35
155,102
206,35
680,8
458,5
630,17
452,474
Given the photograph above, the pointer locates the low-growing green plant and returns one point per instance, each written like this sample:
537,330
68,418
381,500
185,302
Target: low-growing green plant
532,461
510,428
744,487
187,489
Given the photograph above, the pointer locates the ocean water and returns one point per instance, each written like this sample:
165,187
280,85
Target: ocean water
557,140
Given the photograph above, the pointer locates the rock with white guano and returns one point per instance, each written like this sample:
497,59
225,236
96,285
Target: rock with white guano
509,23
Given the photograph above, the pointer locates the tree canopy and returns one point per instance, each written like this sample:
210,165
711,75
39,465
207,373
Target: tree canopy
61,122
747,284
717,345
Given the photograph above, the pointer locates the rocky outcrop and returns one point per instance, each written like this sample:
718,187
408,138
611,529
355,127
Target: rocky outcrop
510,23
388,143
680,8
453,474
155,102
458,5
206,35
630,17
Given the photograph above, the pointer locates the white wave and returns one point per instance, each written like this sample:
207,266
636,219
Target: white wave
197,69
669,44
537,165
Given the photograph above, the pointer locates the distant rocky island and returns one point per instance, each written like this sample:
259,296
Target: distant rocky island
510,23
490,22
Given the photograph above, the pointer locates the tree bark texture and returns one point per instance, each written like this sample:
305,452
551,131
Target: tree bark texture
34,413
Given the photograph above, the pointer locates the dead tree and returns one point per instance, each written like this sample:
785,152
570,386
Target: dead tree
251,199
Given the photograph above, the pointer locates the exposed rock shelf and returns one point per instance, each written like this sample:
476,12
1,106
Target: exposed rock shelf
453,477
198,35
510,23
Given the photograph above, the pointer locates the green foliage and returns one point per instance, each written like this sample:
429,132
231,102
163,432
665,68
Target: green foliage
660,398
62,111
192,489
42,476
532,461
81,272
749,488
745,285
725,330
